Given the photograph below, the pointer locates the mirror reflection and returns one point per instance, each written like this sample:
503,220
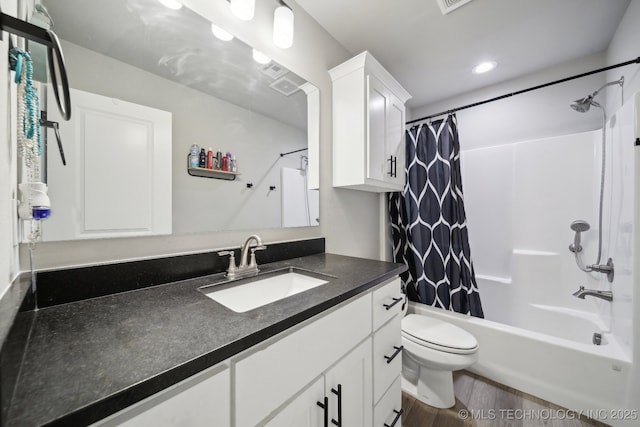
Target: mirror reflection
150,84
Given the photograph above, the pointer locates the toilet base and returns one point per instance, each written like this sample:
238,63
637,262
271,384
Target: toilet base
434,388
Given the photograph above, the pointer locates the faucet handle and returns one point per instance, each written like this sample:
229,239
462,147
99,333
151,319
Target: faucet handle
231,270
252,260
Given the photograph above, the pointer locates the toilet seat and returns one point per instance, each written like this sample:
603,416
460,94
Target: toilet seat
438,335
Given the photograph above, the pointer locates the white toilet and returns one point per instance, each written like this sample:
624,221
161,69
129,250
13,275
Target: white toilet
432,350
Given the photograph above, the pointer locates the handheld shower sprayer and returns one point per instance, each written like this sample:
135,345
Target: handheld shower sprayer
579,227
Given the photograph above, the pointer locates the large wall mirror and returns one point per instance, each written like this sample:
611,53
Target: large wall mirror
135,62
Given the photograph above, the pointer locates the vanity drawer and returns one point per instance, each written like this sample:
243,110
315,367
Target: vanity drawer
387,356
270,375
387,302
389,409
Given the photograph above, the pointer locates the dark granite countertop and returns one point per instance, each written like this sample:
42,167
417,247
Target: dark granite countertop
88,359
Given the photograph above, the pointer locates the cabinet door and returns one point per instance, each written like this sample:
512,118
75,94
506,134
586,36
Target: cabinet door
202,400
377,107
348,387
395,142
303,411
110,144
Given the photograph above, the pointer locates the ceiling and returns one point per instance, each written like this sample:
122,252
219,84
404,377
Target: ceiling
178,45
432,55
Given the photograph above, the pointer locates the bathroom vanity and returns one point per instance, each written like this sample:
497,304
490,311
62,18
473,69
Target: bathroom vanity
169,355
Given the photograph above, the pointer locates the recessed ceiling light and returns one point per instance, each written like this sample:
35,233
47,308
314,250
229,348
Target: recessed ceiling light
260,57
483,67
171,4
220,33
243,9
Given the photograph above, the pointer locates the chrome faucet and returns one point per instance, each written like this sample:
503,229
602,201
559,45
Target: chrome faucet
244,269
582,292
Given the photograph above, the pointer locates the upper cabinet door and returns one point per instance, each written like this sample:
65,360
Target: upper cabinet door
92,199
368,126
377,127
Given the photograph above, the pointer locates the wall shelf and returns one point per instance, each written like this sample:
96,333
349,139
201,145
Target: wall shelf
212,173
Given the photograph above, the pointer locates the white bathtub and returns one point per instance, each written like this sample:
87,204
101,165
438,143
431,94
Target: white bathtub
572,373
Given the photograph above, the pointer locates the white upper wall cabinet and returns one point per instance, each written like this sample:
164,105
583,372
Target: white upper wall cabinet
368,126
90,198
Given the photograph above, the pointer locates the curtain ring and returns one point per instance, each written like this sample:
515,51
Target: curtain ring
54,48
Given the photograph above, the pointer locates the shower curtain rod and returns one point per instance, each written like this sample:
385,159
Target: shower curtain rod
497,98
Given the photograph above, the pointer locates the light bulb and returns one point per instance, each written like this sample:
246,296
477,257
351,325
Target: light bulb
483,67
260,57
171,4
220,33
283,27
243,9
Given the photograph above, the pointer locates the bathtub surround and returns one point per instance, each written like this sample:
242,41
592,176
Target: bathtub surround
428,221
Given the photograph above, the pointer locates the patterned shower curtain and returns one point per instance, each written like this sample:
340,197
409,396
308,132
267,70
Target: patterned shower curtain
429,225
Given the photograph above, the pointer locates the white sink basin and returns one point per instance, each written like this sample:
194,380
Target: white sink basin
247,296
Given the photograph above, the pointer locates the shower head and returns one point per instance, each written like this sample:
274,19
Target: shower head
580,226
583,105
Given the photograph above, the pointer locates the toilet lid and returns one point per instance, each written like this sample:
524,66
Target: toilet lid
437,334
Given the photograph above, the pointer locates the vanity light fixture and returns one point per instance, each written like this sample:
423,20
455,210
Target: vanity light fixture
171,4
243,9
484,67
283,26
220,33
260,57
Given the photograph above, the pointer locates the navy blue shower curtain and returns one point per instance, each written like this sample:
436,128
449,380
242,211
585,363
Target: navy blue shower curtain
429,226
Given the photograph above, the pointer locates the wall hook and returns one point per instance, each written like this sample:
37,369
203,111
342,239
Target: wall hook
272,187
249,184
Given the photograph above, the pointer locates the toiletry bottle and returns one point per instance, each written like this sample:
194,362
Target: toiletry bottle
210,159
194,159
203,159
234,164
219,160
225,164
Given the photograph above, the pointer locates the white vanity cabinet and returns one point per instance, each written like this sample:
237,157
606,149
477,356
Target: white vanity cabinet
387,354
202,400
343,364
368,126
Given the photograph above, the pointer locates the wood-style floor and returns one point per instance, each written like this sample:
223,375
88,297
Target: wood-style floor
483,403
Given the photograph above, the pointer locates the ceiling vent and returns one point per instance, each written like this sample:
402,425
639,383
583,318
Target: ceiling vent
274,70
447,6
286,85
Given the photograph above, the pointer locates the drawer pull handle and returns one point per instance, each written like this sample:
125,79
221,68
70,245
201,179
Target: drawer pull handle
395,301
395,420
395,353
325,407
338,393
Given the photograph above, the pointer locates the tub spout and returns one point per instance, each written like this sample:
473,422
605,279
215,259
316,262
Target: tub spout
582,292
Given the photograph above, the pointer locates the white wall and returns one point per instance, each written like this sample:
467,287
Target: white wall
8,165
348,219
533,115
623,47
